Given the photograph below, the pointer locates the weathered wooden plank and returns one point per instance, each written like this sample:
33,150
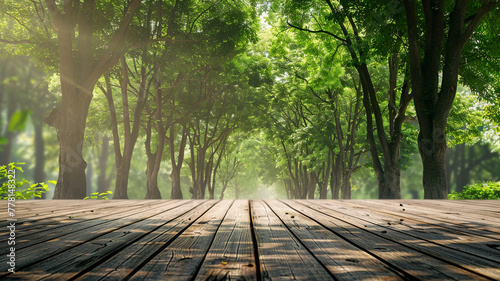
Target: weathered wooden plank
469,244
344,260
49,222
72,263
402,254
29,208
480,226
464,207
31,255
77,224
53,210
125,263
231,255
181,259
437,240
281,255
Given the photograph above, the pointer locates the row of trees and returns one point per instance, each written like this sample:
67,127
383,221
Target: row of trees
331,88
423,48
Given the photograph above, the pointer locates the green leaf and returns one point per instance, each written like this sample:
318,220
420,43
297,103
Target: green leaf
18,120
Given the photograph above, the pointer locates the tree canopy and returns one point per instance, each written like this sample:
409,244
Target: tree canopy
216,99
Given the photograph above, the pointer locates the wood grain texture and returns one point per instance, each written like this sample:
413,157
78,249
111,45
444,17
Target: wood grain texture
132,258
40,251
281,255
378,240
231,256
181,259
255,240
344,260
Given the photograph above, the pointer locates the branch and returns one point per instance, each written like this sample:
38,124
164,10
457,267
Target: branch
53,10
116,48
16,41
20,23
139,45
204,11
316,31
474,21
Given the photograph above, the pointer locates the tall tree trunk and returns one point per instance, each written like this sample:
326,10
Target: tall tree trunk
345,190
434,171
69,121
79,73
5,149
461,178
224,187
152,170
449,169
208,176
392,181
154,158
236,190
89,176
313,181
122,175
39,175
103,179
336,178
392,175
175,175
197,167
288,187
433,103
323,185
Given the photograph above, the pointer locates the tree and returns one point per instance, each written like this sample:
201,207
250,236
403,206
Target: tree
81,30
436,38
130,127
345,24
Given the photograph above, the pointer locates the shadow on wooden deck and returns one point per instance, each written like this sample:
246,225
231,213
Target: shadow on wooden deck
255,240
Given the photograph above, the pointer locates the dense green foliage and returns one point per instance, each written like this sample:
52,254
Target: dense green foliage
257,99
489,190
13,187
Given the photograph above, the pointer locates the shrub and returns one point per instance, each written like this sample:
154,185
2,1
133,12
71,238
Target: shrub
489,190
12,187
99,196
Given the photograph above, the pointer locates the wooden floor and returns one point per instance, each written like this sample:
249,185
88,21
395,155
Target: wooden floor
254,240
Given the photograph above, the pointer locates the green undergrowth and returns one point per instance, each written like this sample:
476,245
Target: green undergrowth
487,190
13,187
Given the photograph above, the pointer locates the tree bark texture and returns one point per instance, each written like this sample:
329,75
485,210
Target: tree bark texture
79,73
448,30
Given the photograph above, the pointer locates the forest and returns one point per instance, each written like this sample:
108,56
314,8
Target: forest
218,99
